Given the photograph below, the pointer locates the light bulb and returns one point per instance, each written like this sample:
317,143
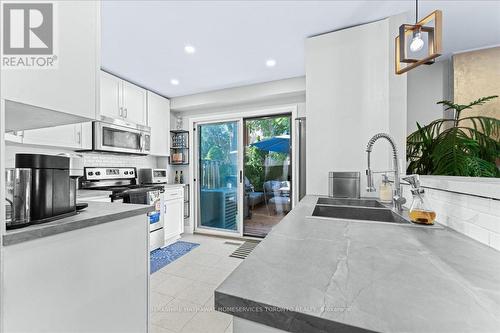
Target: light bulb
270,62
189,49
417,42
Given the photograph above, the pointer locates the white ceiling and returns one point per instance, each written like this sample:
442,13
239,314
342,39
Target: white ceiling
143,41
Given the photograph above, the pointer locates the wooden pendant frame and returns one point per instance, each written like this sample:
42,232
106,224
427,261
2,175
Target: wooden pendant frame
434,45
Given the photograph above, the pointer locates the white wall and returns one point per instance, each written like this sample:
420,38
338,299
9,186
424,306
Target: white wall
427,85
90,159
352,93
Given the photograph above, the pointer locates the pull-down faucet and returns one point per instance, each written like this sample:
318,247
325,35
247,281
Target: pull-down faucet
397,199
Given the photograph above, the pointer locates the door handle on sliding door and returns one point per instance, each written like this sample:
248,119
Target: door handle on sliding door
241,176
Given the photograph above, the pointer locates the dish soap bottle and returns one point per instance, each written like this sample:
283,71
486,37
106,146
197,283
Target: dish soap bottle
176,179
420,211
385,190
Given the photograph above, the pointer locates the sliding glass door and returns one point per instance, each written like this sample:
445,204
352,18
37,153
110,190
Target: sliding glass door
267,173
219,178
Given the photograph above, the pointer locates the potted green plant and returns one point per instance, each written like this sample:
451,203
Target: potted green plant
458,146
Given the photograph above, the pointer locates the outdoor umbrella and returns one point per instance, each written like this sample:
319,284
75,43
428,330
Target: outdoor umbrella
279,144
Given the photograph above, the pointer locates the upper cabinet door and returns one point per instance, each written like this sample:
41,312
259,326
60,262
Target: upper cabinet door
111,94
159,121
71,87
134,103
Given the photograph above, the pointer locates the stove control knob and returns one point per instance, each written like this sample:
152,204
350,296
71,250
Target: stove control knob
126,172
131,172
98,173
90,173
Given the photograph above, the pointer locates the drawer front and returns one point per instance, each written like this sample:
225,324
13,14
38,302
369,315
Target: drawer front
174,193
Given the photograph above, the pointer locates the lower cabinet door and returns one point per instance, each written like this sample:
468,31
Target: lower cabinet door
173,218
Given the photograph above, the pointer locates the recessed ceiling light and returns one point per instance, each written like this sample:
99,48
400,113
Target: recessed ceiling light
174,82
270,62
189,49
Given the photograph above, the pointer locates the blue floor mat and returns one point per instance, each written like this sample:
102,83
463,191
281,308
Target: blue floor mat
164,256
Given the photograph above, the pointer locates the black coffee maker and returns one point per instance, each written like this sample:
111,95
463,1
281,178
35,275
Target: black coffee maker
52,194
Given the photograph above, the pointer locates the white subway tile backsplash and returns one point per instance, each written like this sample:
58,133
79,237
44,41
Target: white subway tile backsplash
473,216
477,233
495,241
116,160
495,207
90,159
479,204
490,222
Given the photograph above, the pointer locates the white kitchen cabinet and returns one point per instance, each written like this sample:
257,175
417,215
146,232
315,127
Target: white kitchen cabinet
111,94
159,121
173,208
134,103
64,136
44,97
69,282
122,99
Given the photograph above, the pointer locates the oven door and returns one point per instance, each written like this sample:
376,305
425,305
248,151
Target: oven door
116,138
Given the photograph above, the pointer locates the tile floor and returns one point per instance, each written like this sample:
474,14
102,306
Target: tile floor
182,292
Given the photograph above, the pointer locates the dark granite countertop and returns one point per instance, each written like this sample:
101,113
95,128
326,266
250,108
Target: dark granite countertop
313,275
96,213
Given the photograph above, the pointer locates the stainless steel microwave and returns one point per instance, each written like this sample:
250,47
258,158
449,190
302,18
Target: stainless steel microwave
118,136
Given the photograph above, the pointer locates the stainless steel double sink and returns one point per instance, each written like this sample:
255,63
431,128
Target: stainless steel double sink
365,210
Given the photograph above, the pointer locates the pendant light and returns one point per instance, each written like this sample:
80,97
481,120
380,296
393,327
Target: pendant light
417,43
431,25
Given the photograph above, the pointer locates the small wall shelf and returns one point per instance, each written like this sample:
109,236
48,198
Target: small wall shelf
179,149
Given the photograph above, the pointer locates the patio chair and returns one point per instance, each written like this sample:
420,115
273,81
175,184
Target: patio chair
276,197
252,198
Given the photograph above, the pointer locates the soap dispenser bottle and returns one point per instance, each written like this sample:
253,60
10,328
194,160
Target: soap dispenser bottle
420,211
385,191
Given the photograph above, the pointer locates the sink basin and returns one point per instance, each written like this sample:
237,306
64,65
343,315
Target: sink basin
358,213
350,202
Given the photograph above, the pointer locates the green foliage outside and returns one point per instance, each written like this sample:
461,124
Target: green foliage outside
220,139
461,146
255,158
217,141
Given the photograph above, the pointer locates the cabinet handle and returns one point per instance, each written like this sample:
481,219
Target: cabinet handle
120,112
78,137
126,112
